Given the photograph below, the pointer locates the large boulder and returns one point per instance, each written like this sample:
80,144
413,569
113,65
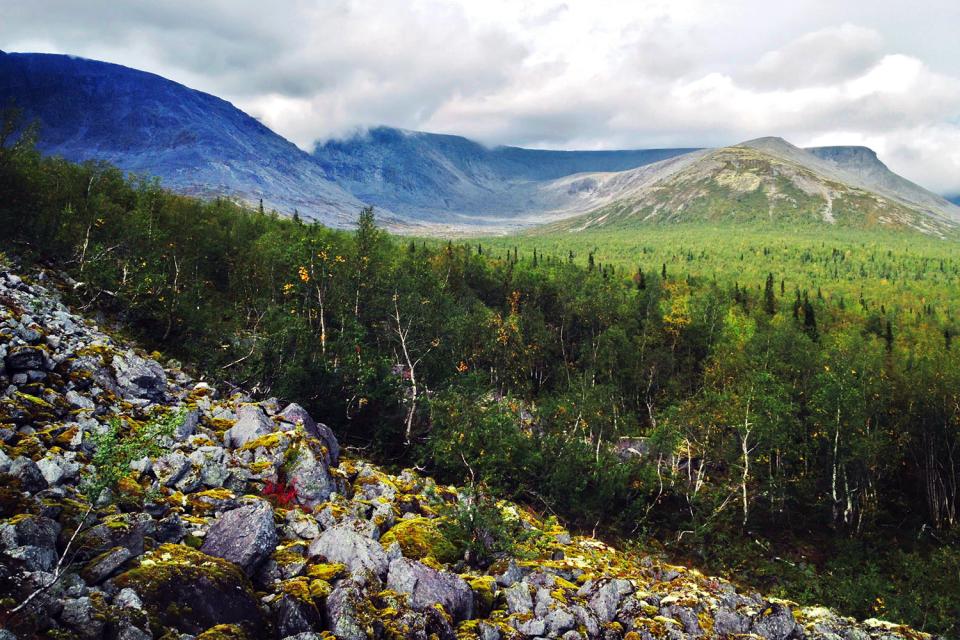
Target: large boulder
309,474
296,415
26,358
245,536
775,622
30,476
428,587
251,423
31,542
139,378
343,544
344,610
175,579
605,600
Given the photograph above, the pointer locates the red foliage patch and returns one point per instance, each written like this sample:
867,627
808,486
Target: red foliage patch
281,493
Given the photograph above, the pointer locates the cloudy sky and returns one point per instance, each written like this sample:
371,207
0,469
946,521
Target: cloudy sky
589,74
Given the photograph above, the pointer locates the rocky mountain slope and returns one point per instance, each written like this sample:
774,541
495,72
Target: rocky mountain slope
764,180
195,142
229,517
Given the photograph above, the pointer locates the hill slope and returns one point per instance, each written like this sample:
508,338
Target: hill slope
195,142
239,519
765,180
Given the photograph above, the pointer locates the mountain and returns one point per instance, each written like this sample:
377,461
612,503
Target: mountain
863,163
954,199
444,177
195,142
764,180
430,183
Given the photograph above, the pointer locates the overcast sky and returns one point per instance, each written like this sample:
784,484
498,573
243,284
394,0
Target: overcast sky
575,74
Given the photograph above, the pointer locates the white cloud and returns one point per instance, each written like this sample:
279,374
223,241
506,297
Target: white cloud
558,73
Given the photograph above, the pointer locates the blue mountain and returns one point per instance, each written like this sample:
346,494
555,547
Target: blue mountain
195,142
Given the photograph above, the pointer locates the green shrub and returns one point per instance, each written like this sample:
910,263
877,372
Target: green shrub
116,448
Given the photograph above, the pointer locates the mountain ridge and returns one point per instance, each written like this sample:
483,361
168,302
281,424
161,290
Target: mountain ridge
420,182
763,180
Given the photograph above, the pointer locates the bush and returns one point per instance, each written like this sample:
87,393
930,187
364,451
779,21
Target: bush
116,449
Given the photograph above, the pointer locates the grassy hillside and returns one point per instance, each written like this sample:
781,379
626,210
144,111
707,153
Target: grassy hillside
774,183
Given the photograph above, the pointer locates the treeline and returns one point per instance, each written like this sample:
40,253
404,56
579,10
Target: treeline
755,409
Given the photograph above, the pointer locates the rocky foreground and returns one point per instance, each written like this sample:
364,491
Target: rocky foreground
249,523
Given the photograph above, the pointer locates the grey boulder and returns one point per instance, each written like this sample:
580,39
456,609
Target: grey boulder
343,544
245,536
251,423
427,587
139,378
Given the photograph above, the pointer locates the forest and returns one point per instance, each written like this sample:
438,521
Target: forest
779,406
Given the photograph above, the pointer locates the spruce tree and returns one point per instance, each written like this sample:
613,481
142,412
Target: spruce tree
769,301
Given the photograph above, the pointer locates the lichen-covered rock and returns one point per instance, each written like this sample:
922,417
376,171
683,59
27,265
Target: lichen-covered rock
606,599
30,541
775,622
139,377
26,358
308,472
420,538
294,414
428,587
245,536
251,423
345,610
343,544
191,591
28,473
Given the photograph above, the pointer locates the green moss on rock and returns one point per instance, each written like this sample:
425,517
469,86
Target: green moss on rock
420,538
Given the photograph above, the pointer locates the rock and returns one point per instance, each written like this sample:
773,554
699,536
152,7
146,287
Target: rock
29,474
51,471
775,622
26,358
212,464
518,598
343,544
310,475
245,536
188,426
4,462
532,627
343,609
292,616
123,530
139,378
295,414
216,591
607,598
730,623
251,423
428,587
80,401
128,599
171,468
558,621
80,615
106,564
512,574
